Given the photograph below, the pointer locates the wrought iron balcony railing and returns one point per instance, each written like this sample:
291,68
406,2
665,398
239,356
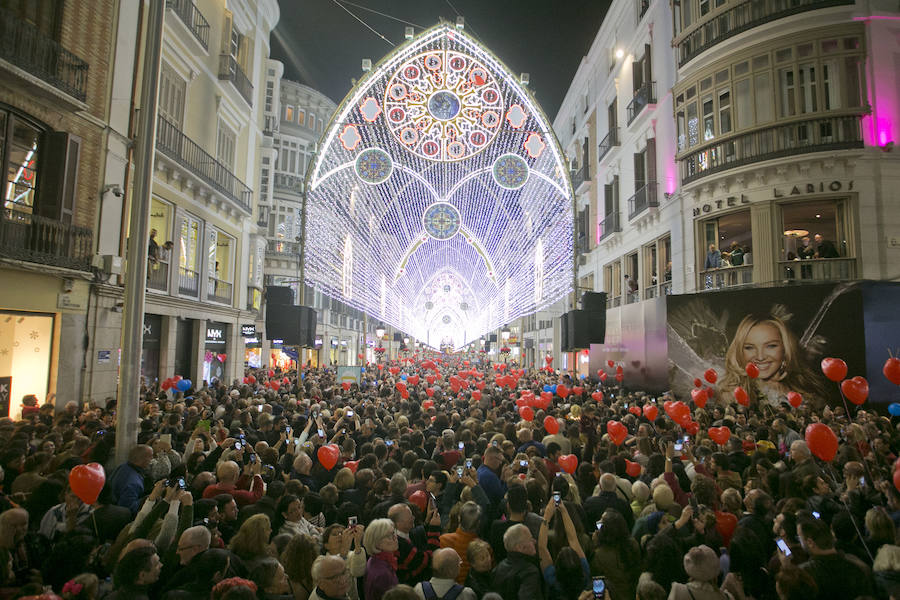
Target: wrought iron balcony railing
187,153
643,199
789,139
817,269
188,282
611,224
608,143
230,69
580,177
158,276
25,46
743,17
35,239
191,16
644,95
218,291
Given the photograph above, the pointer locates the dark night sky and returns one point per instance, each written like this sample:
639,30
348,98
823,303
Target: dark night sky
322,45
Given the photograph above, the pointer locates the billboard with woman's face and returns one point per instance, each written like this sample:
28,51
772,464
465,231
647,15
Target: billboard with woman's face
783,332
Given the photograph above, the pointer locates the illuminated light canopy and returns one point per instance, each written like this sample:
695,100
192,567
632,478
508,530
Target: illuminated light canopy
439,201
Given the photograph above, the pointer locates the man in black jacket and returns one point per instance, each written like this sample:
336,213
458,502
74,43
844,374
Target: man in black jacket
518,576
595,506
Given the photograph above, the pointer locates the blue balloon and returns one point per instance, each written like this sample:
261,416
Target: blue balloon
183,385
403,377
302,375
894,409
362,370
548,387
583,376
553,388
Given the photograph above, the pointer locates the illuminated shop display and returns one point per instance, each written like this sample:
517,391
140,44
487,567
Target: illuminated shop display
440,201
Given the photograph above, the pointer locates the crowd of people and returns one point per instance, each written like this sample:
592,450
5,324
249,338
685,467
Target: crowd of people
445,477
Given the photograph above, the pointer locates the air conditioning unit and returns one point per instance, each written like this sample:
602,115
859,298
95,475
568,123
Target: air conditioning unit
108,263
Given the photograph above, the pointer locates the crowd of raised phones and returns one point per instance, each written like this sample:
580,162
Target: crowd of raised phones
429,480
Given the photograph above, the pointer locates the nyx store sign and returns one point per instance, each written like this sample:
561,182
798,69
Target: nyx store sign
215,335
248,331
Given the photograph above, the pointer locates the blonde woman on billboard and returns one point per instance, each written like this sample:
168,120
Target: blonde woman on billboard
767,342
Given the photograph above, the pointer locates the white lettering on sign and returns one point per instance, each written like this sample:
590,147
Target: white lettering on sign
214,334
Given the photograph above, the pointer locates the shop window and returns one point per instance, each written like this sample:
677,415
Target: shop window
815,229
25,368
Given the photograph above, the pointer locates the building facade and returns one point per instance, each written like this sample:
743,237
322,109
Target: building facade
755,136
204,280
55,67
616,126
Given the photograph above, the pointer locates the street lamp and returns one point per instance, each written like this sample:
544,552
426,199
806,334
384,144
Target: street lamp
406,341
504,334
379,331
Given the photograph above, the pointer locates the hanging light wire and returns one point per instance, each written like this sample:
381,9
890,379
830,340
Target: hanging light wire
372,10
366,25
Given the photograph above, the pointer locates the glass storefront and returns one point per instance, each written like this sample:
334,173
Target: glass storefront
214,356
26,347
150,344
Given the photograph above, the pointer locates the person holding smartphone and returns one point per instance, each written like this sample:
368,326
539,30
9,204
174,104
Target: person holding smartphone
561,579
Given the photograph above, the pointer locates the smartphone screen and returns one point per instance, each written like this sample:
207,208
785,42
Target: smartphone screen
782,545
259,408
203,424
459,471
351,521
862,481
321,433
252,458
388,443
287,429
817,515
523,463
678,446
599,525
181,483
468,463
599,587
461,445
349,413
556,498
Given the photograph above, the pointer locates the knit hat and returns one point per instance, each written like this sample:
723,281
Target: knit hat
701,563
663,497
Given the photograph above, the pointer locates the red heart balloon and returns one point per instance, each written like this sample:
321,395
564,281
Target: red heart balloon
651,411
551,425
821,441
380,367
548,396
352,465
897,480
752,370
568,463
328,455
692,428
635,410
699,397
345,385
562,391
430,379
275,385
891,370
667,407
619,369
86,481
620,377
549,359
429,392
834,368
697,382
681,414
465,362
597,396
480,385
252,379
360,356
740,394
632,469
578,390
222,357
404,393
719,435
527,413
710,375
428,403
794,399
603,376
617,432
610,364
413,380
856,389
400,385
476,395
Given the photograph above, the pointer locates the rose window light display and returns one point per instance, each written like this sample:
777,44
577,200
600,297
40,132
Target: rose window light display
440,201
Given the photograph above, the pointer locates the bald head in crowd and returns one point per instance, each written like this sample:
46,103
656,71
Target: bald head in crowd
607,482
228,472
445,563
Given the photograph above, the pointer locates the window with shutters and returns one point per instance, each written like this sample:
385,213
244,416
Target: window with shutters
171,96
226,140
289,114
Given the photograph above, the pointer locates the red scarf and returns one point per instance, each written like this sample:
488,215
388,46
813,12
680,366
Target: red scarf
388,557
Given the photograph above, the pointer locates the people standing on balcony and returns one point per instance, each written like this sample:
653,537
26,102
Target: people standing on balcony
737,255
825,248
713,258
805,251
165,252
153,247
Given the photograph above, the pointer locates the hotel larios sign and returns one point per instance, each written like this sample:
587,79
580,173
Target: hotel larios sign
821,187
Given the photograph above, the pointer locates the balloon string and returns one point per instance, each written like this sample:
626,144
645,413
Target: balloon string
849,512
865,435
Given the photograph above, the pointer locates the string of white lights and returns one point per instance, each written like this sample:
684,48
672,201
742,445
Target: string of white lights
439,201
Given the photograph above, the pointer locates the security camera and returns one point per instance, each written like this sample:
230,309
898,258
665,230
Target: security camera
115,188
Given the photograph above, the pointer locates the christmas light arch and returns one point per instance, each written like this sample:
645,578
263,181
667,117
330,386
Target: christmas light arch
440,167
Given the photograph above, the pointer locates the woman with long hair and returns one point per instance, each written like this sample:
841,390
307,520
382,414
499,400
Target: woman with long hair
297,559
251,542
767,342
381,569
617,556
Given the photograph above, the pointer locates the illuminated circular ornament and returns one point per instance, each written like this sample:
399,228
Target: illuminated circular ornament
441,220
374,165
446,319
450,99
510,171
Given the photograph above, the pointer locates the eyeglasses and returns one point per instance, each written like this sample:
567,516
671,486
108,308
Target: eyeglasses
344,573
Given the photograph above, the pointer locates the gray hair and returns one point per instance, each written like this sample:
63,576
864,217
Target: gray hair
398,484
375,532
515,536
469,516
198,534
316,569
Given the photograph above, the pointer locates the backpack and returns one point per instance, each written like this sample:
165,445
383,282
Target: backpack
451,594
